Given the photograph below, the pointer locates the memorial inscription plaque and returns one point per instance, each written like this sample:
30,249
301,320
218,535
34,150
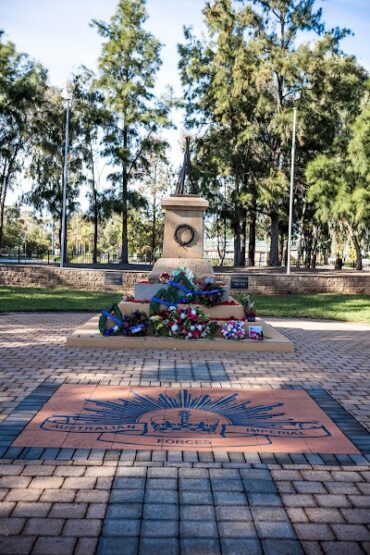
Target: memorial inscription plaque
239,282
113,278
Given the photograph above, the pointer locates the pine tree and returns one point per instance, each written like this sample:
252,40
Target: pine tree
47,159
340,181
93,118
22,87
129,62
243,82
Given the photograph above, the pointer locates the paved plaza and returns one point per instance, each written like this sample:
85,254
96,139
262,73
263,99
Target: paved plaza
82,499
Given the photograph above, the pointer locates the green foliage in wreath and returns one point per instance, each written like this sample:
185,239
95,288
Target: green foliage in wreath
135,324
114,329
213,299
171,295
206,292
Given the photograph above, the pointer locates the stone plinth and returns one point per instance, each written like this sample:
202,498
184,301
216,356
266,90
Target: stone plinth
183,211
183,222
89,336
200,267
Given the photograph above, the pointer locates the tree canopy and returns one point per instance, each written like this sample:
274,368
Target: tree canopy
256,61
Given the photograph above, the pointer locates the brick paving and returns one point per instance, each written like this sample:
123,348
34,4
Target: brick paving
81,501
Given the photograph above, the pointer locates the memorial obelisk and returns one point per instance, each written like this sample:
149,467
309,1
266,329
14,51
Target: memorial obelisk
183,243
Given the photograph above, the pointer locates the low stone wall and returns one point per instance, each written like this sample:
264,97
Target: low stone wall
54,277
309,283
110,280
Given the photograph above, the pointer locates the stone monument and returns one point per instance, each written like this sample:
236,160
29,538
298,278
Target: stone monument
182,248
183,244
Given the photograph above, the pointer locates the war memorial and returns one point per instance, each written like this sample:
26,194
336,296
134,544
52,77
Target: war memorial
183,307
176,421
184,365
182,280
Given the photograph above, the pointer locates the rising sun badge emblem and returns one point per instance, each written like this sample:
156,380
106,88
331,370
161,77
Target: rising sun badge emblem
185,419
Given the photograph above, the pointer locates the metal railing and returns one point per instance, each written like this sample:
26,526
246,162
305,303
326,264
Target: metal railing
21,256
28,256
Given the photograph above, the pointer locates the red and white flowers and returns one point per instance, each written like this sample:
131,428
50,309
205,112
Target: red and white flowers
184,323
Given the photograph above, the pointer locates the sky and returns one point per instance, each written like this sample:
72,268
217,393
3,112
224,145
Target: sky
57,34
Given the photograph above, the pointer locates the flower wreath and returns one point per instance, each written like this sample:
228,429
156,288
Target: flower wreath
182,289
184,323
233,329
114,314
136,323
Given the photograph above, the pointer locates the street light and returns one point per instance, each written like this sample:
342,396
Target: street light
291,189
63,246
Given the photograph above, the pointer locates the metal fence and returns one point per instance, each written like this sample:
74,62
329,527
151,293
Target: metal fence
21,256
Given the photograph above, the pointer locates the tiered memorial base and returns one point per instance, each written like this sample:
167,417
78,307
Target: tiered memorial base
88,336
219,312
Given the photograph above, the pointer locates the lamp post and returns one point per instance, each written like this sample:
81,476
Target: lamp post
291,189
63,246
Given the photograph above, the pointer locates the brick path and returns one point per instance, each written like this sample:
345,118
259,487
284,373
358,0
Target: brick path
85,502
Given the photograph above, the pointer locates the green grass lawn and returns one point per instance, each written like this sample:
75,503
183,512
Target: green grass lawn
29,299
351,308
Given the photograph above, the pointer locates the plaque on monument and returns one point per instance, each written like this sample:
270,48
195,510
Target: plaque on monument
113,278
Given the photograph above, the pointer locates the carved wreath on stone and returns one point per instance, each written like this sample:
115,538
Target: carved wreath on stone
184,235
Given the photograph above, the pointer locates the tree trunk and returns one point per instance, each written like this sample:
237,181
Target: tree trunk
314,247
95,240
4,185
2,205
124,237
2,209
236,246
224,243
300,241
154,228
244,242
357,246
60,218
1,224
95,208
281,248
236,224
274,245
252,239
221,241
6,174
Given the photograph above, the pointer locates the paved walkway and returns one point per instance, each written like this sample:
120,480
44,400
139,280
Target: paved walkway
81,501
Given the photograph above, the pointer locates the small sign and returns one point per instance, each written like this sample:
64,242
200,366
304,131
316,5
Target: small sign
113,278
239,282
256,333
